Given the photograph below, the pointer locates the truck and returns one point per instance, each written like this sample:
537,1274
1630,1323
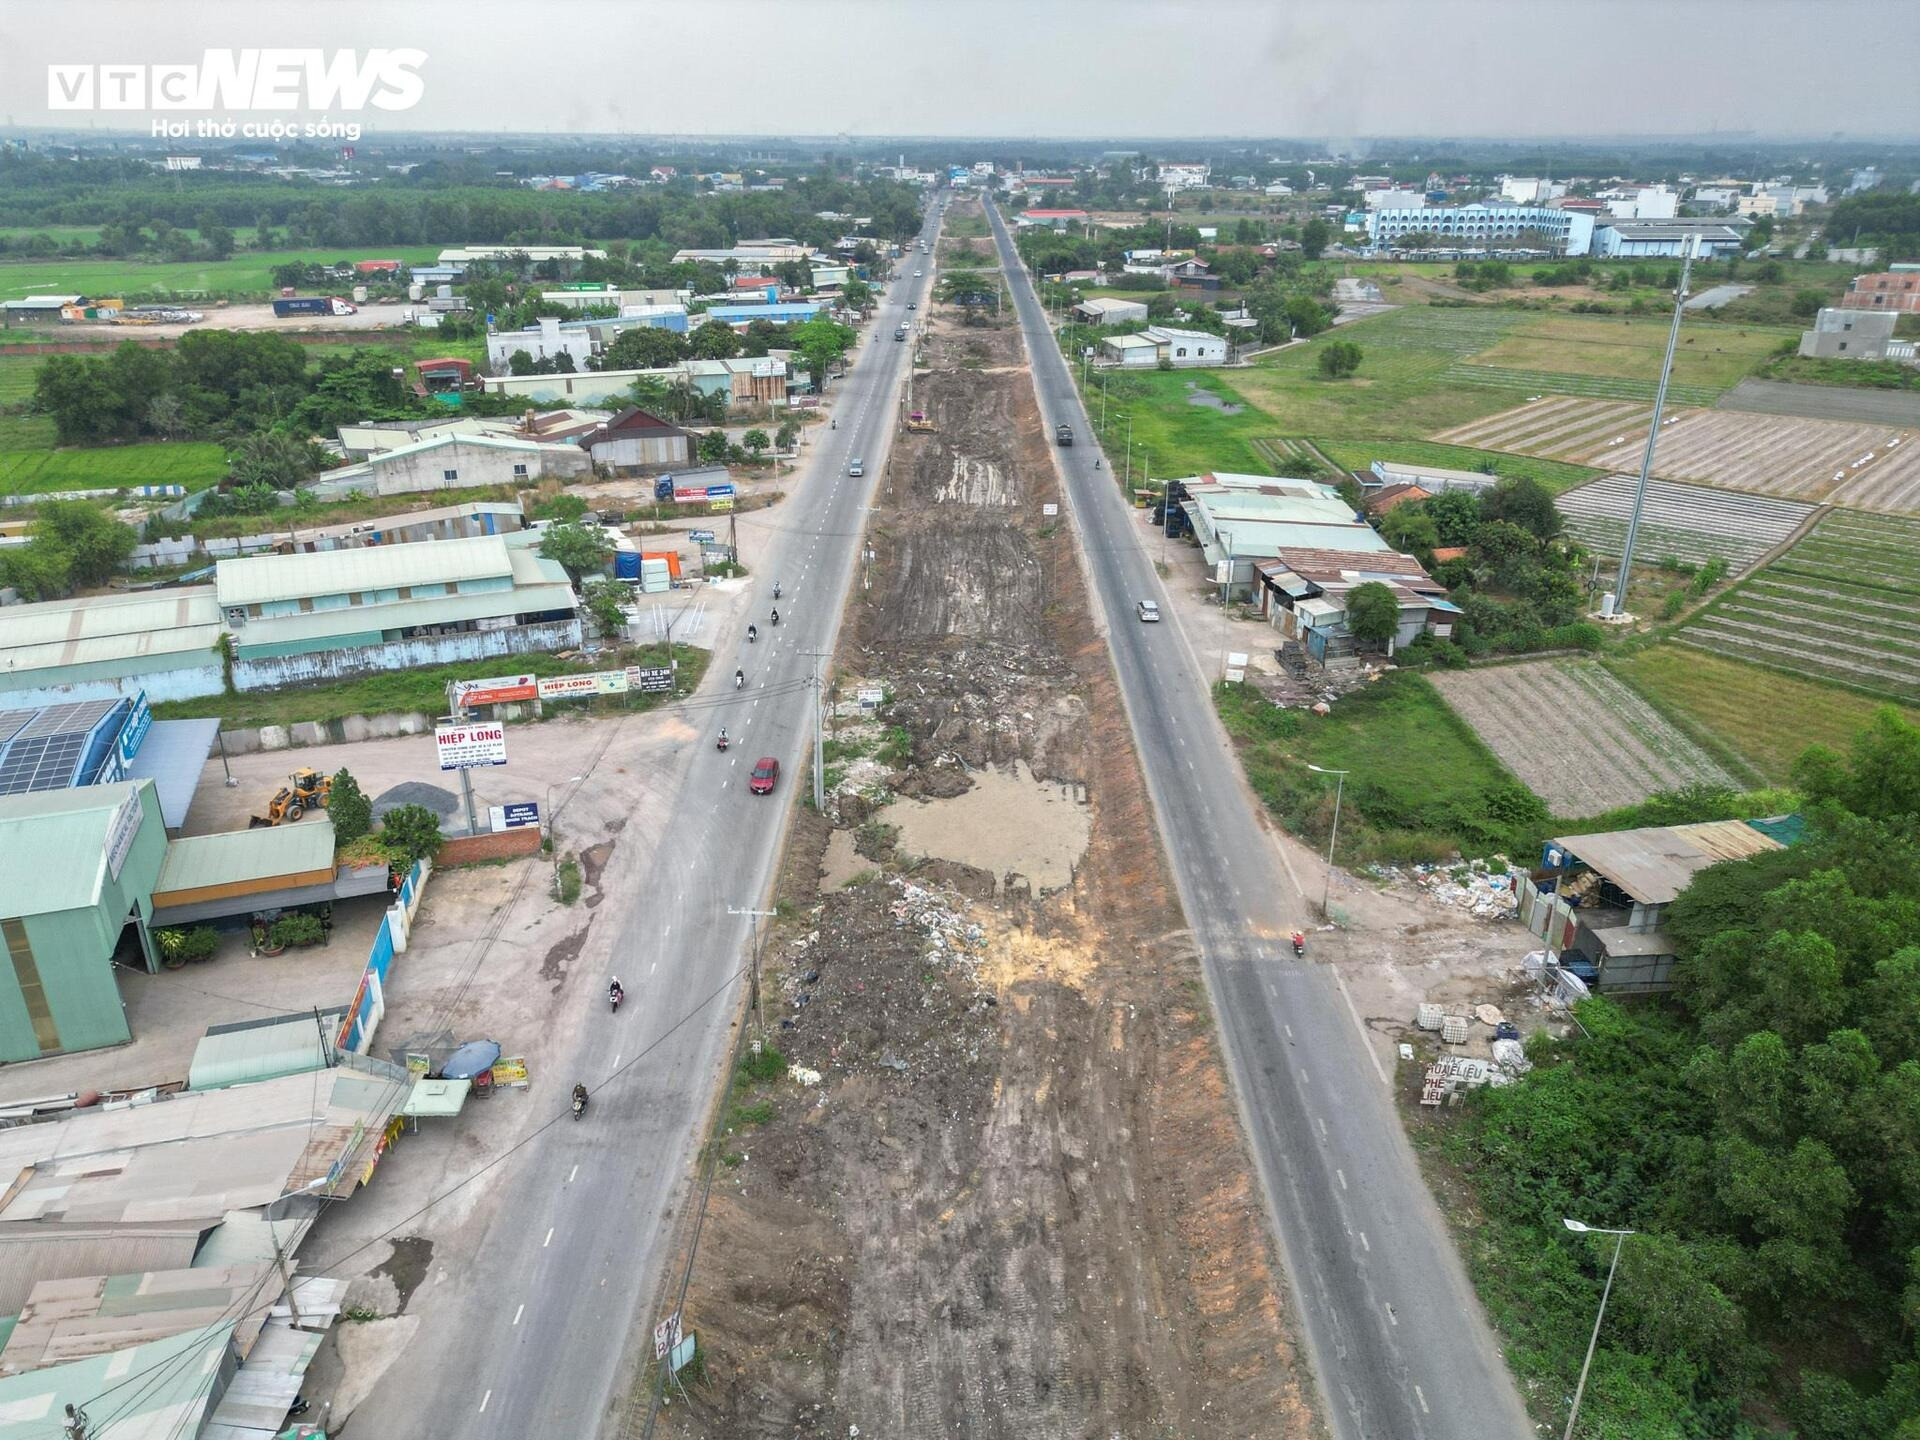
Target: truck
1063,434
293,305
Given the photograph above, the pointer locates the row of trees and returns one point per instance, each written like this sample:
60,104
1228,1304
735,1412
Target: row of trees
1762,1136
72,544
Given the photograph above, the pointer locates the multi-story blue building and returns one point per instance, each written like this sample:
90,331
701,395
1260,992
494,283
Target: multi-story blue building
1477,226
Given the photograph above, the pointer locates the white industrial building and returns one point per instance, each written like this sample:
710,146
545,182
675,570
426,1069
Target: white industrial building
1656,239
453,462
1110,310
1645,202
1528,190
1477,226
1395,199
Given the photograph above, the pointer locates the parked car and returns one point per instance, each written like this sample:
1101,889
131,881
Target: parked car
856,467
764,776
1149,612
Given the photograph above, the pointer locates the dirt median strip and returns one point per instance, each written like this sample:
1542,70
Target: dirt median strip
1002,1192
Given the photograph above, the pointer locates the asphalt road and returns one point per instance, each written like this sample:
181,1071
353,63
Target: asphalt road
533,1333
1399,1344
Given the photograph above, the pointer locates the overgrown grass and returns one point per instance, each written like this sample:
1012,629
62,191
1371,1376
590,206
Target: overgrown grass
1421,785
566,877
248,275
424,691
765,1068
1762,715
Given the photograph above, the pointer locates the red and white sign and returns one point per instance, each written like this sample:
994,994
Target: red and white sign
466,747
689,493
497,691
569,687
666,1335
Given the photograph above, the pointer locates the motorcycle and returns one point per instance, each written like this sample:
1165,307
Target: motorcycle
722,742
776,589
739,678
579,1101
614,996
753,633
776,617
1299,945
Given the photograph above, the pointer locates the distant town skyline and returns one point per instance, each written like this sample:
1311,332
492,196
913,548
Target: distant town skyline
1519,69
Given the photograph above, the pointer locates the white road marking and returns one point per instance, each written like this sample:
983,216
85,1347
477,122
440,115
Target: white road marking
571,1173
653,967
548,1241
1366,1040
1343,1178
517,1314
1422,1399
1288,1028
1305,1079
1323,1127
483,1401
1363,1242
616,1063
1391,1317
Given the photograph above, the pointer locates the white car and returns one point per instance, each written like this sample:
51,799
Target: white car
1149,612
918,273
856,467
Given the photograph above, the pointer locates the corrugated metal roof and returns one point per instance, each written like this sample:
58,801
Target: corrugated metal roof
72,1319
171,1401
250,1050
172,756
443,609
108,627
485,442
196,861
53,847
1655,863
415,517
260,579
37,1250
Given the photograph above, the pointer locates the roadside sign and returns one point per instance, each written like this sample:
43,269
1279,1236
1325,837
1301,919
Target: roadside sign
717,491
721,505
701,537
666,1335
511,1070
121,830
649,679
568,687
1049,509
467,747
512,817
682,1355
496,691
689,492
869,699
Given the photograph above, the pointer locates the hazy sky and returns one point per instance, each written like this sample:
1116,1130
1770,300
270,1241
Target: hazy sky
1337,69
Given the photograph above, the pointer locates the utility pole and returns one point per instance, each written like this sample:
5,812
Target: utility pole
458,713
753,956
818,691
1339,789
1653,434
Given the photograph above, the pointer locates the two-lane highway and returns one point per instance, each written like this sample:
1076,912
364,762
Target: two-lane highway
1398,1340
534,1332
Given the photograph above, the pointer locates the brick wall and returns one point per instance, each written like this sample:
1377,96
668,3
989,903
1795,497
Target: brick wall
466,849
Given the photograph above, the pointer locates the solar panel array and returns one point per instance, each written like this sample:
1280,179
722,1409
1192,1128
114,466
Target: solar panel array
40,749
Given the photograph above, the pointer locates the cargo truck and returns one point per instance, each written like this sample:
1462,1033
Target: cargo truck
312,305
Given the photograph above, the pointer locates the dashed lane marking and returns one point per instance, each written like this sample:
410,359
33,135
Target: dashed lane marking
483,1401
517,1313
548,1241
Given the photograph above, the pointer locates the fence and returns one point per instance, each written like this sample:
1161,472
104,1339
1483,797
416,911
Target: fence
369,1001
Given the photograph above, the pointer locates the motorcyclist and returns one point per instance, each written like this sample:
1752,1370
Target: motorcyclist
833,424
614,992
753,633
723,737
776,615
579,1096
776,589
739,678
1299,943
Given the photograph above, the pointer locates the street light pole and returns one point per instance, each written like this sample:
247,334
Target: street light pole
1339,789
1619,1239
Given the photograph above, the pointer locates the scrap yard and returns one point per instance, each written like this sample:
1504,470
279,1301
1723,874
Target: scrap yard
994,1182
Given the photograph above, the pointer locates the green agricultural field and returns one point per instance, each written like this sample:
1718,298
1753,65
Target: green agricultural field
1762,715
242,275
36,471
16,379
1555,475
1709,357
1843,606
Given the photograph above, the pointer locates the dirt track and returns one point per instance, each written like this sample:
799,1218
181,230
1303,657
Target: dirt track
1016,1202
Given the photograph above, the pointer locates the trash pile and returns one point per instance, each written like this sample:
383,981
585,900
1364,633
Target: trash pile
1452,1075
1489,889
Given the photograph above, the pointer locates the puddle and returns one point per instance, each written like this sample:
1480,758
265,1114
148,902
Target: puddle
1211,401
1008,822
842,862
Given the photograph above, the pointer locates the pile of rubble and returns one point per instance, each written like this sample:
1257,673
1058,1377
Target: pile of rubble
1488,889
1451,1076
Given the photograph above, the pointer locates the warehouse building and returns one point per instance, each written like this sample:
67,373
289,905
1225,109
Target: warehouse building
1110,310
1855,335
453,462
1666,239
1240,520
1181,349
638,442
331,616
102,742
163,642
77,870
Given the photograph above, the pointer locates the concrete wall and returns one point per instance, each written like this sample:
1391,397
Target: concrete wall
476,465
182,684
266,674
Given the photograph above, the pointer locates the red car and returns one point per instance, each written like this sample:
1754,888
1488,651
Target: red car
766,773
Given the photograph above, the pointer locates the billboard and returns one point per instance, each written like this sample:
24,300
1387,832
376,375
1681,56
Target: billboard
498,690
652,679
139,721
468,746
513,817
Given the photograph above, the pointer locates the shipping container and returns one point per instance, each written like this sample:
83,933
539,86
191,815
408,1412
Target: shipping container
312,305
